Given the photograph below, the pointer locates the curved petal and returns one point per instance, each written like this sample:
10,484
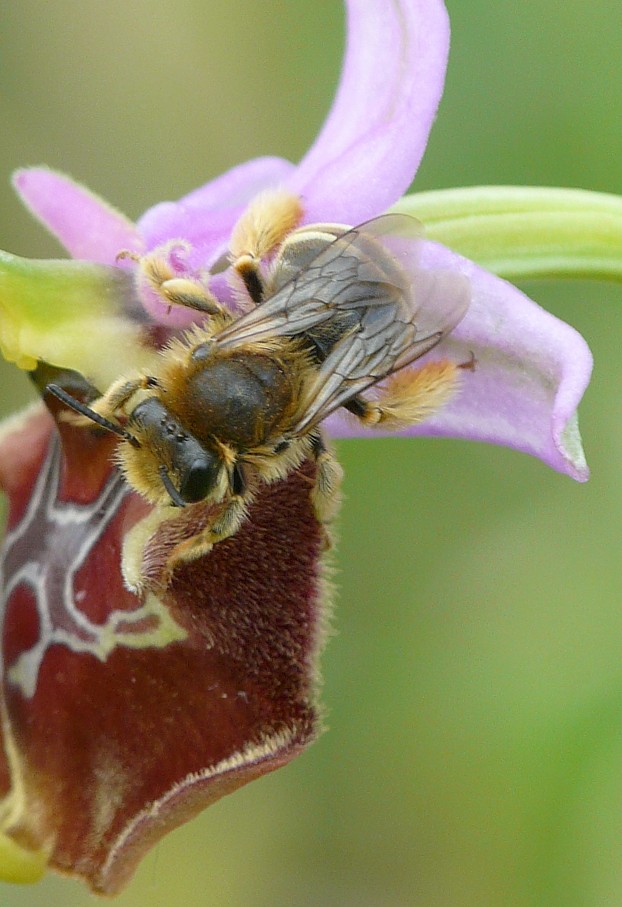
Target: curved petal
370,146
86,225
530,374
206,216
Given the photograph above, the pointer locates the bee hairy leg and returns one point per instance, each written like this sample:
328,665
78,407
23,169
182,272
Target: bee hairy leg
231,518
189,550
124,389
192,295
409,396
120,392
226,524
261,229
172,289
112,401
136,565
326,490
247,266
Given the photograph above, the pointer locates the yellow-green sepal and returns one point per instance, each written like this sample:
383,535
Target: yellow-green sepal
72,314
17,864
526,232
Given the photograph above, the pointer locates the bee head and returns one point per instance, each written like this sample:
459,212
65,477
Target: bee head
197,469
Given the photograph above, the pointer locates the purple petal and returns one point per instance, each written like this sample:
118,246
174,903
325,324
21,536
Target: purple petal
531,372
206,216
370,146
85,225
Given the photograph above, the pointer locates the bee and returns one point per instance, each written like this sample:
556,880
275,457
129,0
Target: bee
237,401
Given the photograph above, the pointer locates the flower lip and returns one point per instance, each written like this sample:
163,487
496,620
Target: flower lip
238,634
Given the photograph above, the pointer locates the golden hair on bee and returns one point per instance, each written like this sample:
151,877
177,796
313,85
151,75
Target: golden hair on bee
262,228
269,219
412,395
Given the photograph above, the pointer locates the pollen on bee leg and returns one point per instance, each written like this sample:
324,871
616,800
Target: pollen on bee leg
157,271
267,221
413,394
270,216
326,494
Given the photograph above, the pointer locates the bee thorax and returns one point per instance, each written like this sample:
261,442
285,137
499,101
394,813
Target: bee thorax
240,400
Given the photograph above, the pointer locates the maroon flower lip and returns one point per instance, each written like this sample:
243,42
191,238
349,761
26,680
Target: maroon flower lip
129,716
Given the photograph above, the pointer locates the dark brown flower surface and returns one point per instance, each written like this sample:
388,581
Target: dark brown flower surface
123,717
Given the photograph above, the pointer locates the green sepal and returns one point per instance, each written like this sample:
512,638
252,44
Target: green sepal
522,233
73,314
18,864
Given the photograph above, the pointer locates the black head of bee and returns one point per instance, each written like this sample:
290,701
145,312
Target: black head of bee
197,468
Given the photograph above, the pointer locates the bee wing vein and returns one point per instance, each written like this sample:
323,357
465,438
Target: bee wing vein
368,281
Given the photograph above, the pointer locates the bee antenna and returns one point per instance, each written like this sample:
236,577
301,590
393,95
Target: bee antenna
175,496
84,410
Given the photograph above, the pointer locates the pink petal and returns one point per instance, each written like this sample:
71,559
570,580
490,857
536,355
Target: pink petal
206,216
369,149
86,225
370,146
531,372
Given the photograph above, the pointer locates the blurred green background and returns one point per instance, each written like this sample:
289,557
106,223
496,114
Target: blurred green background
475,685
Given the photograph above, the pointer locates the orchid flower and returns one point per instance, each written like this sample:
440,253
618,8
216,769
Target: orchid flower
216,675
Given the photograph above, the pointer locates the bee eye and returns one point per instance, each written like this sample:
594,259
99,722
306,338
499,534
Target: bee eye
199,479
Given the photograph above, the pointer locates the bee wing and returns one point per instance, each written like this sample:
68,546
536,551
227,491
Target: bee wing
369,279
348,273
364,358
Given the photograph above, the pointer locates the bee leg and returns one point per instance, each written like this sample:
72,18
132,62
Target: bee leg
247,266
189,292
113,400
233,514
409,396
120,392
261,229
225,525
231,518
325,495
192,295
189,550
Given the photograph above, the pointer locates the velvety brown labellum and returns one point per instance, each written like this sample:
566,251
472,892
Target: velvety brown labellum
123,717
